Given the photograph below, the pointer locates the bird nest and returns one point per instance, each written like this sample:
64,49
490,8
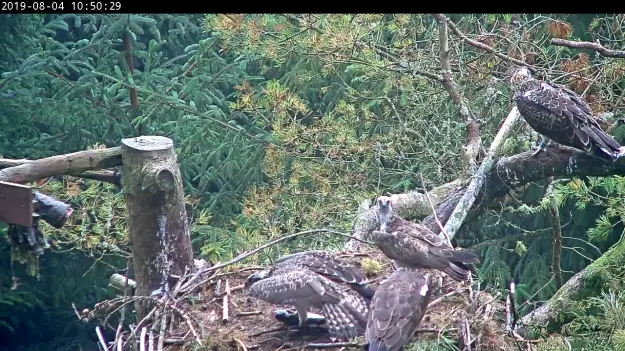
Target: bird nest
231,320
211,308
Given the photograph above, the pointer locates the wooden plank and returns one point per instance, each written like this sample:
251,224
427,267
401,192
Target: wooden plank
16,204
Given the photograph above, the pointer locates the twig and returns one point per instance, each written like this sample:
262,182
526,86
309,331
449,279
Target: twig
240,343
485,47
122,316
249,313
279,240
98,331
602,50
279,329
161,334
144,331
225,313
554,215
440,225
440,299
466,333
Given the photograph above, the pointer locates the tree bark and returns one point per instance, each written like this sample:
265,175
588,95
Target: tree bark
508,173
157,220
587,283
25,171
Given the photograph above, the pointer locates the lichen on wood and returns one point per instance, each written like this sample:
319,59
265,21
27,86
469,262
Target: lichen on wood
157,218
597,277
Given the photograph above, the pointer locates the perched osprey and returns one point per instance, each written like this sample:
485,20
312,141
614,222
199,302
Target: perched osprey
331,267
561,115
345,311
413,245
397,308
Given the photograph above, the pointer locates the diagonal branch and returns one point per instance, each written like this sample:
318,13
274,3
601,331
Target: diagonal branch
486,48
477,183
473,143
602,50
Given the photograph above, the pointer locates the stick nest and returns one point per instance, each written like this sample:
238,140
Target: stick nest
454,307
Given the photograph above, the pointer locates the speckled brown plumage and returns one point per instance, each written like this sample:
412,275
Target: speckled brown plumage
331,267
413,245
561,115
286,284
397,308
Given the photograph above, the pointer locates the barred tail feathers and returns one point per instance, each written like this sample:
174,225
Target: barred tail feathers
346,319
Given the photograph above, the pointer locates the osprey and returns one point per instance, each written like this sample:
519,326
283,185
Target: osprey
331,267
413,245
559,114
285,283
397,308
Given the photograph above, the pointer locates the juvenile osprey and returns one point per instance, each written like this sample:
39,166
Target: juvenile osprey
345,311
397,308
561,115
331,267
413,245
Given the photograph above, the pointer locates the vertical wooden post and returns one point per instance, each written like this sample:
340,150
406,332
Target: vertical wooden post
157,219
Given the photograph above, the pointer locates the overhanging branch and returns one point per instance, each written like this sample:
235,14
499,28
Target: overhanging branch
602,50
77,163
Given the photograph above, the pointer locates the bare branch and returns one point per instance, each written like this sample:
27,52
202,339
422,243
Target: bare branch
475,187
485,47
74,164
603,51
472,146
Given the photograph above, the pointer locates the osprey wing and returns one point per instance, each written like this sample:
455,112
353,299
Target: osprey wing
562,115
328,265
396,310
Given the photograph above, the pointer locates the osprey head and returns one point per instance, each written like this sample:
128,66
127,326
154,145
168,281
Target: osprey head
383,204
384,210
519,76
256,277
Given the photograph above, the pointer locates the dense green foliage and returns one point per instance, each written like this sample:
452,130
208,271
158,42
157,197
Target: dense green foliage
284,123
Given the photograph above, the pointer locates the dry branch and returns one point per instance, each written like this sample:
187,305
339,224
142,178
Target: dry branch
73,164
485,47
603,51
475,187
473,143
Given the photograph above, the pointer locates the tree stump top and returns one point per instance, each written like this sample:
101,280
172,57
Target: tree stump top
148,143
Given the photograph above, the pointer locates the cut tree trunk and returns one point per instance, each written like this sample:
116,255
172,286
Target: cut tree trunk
157,219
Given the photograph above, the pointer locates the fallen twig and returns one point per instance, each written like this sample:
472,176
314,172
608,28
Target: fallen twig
225,311
602,50
440,225
468,198
250,313
279,240
239,341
